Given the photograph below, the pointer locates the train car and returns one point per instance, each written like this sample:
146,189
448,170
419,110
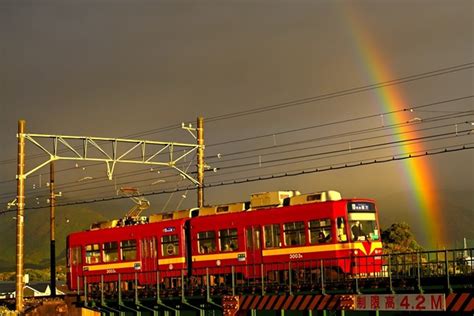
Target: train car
113,248
262,238
286,227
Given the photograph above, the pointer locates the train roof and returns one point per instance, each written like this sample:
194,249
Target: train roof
261,200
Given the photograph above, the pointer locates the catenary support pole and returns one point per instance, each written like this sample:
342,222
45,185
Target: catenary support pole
200,162
20,221
52,224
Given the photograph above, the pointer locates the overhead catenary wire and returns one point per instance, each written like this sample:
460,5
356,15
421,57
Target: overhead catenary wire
267,165
353,150
274,176
171,195
350,91
345,121
336,166
419,108
64,186
312,159
356,148
304,128
321,97
353,141
318,139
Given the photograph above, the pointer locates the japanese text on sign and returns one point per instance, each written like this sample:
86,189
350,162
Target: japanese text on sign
401,302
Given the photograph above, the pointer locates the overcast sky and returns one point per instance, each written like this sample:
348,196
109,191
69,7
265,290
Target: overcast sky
115,68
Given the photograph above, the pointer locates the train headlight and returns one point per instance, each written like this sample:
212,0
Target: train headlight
356,252
378,251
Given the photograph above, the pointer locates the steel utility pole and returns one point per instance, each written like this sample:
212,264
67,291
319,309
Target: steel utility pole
52,223
20,213
120,152
200,161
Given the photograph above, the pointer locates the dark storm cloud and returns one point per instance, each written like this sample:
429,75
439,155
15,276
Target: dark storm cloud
112,68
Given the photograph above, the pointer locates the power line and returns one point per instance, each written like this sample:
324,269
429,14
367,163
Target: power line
339,153
272,176
350,164
345,151
312,159
134,173
340,93
415,108
296,102
354,148
318,139
266,165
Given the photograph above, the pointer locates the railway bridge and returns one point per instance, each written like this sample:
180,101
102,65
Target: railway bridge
430,282
423,283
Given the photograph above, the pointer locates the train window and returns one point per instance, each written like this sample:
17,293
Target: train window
320,231
76,255
228,239
272,236
92,253
129,249
207,242
222,209
314,197
169,245
363,226
341,229
167,216
294,233
253,238
110,250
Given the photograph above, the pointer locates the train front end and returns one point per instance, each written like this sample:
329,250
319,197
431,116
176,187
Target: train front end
365,238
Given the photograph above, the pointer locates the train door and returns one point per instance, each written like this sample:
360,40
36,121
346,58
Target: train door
75,267
188,252
254,250
149,255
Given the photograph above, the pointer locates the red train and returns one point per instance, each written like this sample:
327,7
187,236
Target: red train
276,229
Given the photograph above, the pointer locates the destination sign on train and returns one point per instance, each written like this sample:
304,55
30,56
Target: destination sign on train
361,206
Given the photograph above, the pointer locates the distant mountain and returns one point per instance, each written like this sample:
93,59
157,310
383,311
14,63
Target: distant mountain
37,234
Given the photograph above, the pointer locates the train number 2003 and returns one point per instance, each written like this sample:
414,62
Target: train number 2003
296,256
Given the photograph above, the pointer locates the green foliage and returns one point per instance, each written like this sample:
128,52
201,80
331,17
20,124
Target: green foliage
36,275
399,238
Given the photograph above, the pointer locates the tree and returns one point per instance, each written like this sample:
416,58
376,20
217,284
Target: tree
399,238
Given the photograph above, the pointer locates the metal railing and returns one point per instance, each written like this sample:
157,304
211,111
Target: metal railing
444,270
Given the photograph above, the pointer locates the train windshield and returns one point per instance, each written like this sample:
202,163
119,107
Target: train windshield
363,226
362,221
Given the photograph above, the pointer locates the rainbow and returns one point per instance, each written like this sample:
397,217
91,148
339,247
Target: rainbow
417,172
